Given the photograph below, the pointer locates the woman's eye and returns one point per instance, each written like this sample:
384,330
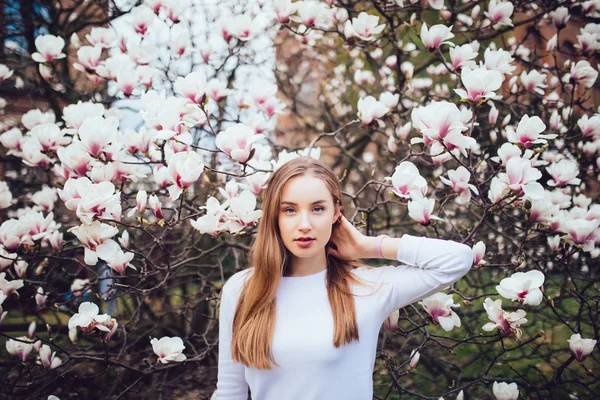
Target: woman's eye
290,210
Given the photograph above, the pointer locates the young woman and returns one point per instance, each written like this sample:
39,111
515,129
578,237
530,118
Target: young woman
302,322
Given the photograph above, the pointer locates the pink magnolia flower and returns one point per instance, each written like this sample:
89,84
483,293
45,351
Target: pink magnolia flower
271,106
101,37
243,211
479,253
587,41
75,114
441,121
49,136
521,178
533,81
185,169
141,19
40,297
175,8
8,287
97,134
528,132
283,9
363,27
480,84
5,196
47,358
33,155
499,12
439,306
459,182
49,48
45,198
389,100
12,140
580,231
193,86
217,89
436,36
584,74
94,236
420,208
36,117
205,51
369,109
88,319
499,60
168,349
5,73
414,358
13,233
436,4
155,5
590,127
563,173
99,200
523,287
246,27
311,13
22,347
115,257
406,179
208,223
503,321
89,58
462,56
75,159
560,16
256,183
155,206
581,347
237,142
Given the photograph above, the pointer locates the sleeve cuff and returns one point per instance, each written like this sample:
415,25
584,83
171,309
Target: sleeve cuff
408,251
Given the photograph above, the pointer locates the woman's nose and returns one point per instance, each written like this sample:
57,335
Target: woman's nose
304,221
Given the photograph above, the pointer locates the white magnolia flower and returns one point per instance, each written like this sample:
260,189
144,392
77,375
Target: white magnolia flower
21,347
364,27
168,349
406,179
505,391
581,347
523,287
436,36
439,306
503,321
48,358
459,182
480,84
479,253
563,173
49,48
369,109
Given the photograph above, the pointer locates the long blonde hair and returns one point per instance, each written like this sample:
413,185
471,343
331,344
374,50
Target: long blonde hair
254,319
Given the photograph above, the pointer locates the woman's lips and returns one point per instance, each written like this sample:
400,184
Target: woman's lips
304,243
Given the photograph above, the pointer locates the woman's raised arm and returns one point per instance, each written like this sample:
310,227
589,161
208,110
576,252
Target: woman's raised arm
429,265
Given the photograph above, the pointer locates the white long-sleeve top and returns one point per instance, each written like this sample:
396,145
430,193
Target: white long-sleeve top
310,366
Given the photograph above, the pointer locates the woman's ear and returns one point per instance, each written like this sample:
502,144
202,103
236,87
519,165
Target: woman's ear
336,216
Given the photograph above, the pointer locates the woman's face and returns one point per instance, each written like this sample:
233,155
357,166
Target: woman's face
306,211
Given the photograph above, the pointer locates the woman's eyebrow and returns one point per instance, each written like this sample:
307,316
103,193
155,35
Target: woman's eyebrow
294,204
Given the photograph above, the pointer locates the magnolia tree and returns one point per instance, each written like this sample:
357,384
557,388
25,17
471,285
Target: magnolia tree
132,194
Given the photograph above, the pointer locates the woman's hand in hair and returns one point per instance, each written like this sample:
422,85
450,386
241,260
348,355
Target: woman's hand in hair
347,243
